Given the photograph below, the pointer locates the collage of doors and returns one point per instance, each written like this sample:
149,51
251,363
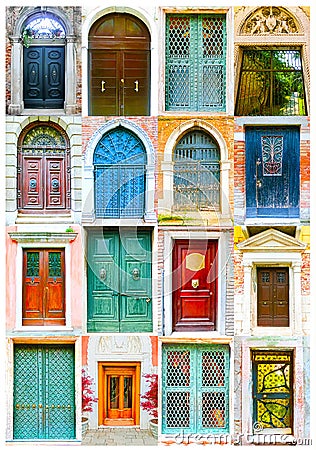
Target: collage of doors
157,222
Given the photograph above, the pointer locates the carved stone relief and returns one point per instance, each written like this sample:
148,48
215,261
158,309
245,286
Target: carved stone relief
119,344
270,20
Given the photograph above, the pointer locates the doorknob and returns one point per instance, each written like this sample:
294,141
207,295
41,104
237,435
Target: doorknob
103,88
136,86
122,80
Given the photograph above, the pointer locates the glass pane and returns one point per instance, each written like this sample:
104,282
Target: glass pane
54,264
213,410
45,27
32,269
128,383
213,369
178,368
114,392
178,410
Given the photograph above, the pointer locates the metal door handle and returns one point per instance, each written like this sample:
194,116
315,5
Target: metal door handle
103,88
136,86
264,303
122,80
281,303
148,300
264,396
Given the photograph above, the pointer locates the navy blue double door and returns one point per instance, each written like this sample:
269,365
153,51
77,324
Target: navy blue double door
272,172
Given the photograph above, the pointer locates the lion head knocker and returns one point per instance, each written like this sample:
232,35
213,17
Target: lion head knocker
135,274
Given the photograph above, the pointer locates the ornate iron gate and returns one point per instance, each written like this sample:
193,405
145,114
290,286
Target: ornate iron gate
195,384
195,62
44,399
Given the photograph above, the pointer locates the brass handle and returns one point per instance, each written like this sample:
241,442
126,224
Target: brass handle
264,303
33,406
17,406
281,303
264,396
136,86
40,405
53,406
147,299
103,88
122,80
68,406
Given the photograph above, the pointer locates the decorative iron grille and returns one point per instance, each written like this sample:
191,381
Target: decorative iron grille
196,173
119,173
272,387
195,388
271,83
44,26
195,62
43,139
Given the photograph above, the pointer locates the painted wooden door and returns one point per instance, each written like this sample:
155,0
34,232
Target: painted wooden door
119,281
273,297
44,392
195,389
44,77
119,66
273,389
194,285
44,287
272,171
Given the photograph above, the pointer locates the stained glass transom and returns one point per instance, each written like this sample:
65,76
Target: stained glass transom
196,172
119,170
195,62
272,155
271,83
43,139
273,389
45,26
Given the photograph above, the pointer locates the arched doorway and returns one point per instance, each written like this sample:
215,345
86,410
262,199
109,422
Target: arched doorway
119,66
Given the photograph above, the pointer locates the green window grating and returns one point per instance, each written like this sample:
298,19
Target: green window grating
195,386
195,62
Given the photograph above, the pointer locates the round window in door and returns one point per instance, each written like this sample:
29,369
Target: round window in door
44,41
119,66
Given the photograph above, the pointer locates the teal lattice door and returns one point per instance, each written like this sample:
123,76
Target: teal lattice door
273,389
44,400
195,389
119,281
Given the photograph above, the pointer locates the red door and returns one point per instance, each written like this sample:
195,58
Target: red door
194,285
43,287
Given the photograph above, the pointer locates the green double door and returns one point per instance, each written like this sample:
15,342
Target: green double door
119,281
44,392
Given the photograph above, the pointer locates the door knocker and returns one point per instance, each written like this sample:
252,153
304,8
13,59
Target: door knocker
195,283
135,274
102,274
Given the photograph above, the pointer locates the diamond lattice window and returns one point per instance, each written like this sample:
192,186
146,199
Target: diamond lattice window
195,62
196,173
195,389
271,83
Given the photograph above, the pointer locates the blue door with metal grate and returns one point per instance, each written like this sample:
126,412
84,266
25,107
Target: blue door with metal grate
119,175
195,62
195,386
44,392
272,171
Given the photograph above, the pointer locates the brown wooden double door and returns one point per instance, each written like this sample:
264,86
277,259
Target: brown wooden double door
119,66
43,287
119,391
273,297
194,285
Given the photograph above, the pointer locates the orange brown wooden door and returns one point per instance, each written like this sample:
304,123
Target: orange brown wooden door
119,66
119,394
43,287
194,285
273,297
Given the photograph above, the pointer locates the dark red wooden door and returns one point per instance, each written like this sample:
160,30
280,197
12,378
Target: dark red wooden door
194,285
119,66
43,287
273,297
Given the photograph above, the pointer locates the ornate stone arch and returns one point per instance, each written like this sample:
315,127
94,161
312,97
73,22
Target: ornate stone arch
88,186
166,202
16,106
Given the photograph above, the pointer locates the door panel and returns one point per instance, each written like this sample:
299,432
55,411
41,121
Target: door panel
42,410
119,282
55,181
272,171
43,287
44,77
32,192
194,285
273,297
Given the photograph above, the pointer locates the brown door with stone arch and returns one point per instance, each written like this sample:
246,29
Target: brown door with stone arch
119,66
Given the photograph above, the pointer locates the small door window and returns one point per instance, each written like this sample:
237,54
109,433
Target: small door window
43,287
196,172
273,297
195,389
273,390
271,83
43,171
195,62
119,172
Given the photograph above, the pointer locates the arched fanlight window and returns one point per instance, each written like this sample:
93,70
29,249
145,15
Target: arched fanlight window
119,173
196,172
43,170
43,25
